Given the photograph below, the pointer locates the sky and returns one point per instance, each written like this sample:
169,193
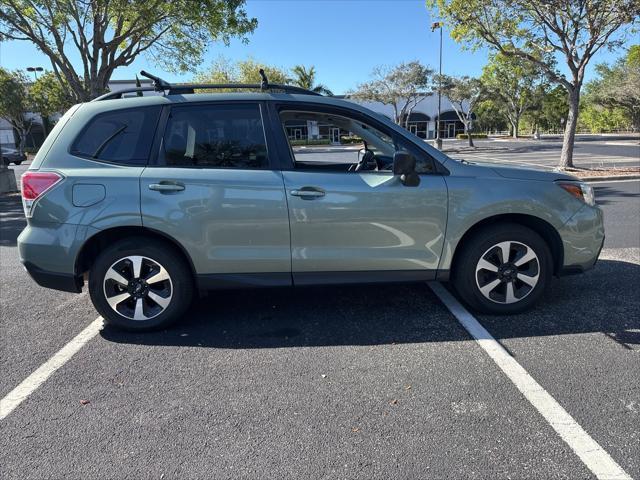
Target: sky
344,40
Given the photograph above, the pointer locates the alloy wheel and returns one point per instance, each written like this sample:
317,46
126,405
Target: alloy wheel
507,272
138,287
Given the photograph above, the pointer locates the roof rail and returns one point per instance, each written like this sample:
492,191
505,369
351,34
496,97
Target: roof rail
160,85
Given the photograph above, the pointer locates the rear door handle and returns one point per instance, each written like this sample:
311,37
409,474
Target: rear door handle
308,192
166,187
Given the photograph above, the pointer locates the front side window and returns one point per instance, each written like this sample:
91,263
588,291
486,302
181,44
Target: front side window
328,142
215,136
120,136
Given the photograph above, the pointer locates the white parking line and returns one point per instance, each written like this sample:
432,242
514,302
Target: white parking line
591,453
29,385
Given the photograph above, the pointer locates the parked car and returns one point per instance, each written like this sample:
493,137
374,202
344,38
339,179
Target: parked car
11,155
150,199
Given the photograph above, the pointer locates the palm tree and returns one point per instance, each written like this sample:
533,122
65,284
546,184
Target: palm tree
307,79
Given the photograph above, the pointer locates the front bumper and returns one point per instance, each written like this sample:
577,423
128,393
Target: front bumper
582,238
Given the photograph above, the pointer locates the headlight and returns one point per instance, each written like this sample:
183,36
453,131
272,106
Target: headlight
581,190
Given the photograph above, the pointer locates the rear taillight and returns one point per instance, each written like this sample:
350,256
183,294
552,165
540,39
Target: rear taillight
34,186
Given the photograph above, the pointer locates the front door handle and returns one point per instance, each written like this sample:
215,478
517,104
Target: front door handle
166,187
308,192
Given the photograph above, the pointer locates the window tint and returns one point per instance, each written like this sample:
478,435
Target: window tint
215,136
122,136
347,144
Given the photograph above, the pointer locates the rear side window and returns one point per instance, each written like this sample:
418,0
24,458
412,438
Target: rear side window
215,136
121,136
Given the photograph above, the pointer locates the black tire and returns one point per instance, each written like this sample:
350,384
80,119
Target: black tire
179,286
467,281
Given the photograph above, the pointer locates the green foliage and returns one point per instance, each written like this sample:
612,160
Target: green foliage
15,103
598,119
306,78
107,34
536,31
617,87
50,95
515,84
490,117
224,70
317,141
461,136
633,56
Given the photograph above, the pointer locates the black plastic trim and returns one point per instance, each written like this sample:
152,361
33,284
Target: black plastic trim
65,282
217,281
364,277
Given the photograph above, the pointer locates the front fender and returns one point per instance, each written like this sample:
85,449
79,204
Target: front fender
473,200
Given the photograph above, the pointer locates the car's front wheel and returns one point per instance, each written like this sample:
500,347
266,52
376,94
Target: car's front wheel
503,269
140,284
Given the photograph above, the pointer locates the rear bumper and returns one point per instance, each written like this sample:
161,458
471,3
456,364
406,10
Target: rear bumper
48,252
58,281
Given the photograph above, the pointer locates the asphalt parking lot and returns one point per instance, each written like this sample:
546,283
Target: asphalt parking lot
591,151
334,382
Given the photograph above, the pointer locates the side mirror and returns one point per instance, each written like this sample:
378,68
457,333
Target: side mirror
404,164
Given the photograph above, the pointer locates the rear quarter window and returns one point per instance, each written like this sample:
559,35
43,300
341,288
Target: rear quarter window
120,136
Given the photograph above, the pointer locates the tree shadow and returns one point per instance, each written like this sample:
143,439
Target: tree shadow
12,220
599,301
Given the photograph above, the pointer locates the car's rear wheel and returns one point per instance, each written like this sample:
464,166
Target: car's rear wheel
140,284
503,269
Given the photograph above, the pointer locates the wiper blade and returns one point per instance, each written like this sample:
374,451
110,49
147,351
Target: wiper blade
106,142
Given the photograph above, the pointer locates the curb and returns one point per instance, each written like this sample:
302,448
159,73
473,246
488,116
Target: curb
610,178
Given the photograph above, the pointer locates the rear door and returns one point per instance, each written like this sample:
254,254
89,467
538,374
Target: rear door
213,189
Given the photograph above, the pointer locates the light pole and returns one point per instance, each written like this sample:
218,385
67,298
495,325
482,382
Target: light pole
35,71
438,25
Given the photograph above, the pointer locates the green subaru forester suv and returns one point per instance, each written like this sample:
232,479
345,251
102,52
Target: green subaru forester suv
152,198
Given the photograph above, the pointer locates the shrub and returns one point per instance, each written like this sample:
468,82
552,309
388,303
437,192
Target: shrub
461,136
318,141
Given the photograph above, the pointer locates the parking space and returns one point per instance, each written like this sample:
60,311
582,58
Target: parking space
350,382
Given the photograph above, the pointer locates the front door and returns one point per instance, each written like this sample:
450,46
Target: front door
214,191
355,221
335,136
451,130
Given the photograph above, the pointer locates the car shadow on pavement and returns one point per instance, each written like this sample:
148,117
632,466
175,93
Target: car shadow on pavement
12,219
603,300
308,317
602,194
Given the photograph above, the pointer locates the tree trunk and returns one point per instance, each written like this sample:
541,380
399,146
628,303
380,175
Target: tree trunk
515,124
468,132
566,157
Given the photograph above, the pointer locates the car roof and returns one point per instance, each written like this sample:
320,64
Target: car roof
150,100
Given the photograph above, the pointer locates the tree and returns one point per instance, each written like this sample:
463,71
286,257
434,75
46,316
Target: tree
14,104
107,34
464,93
618,87
573,30
514,84
306,78
49,96
403,87
490,116
224,70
